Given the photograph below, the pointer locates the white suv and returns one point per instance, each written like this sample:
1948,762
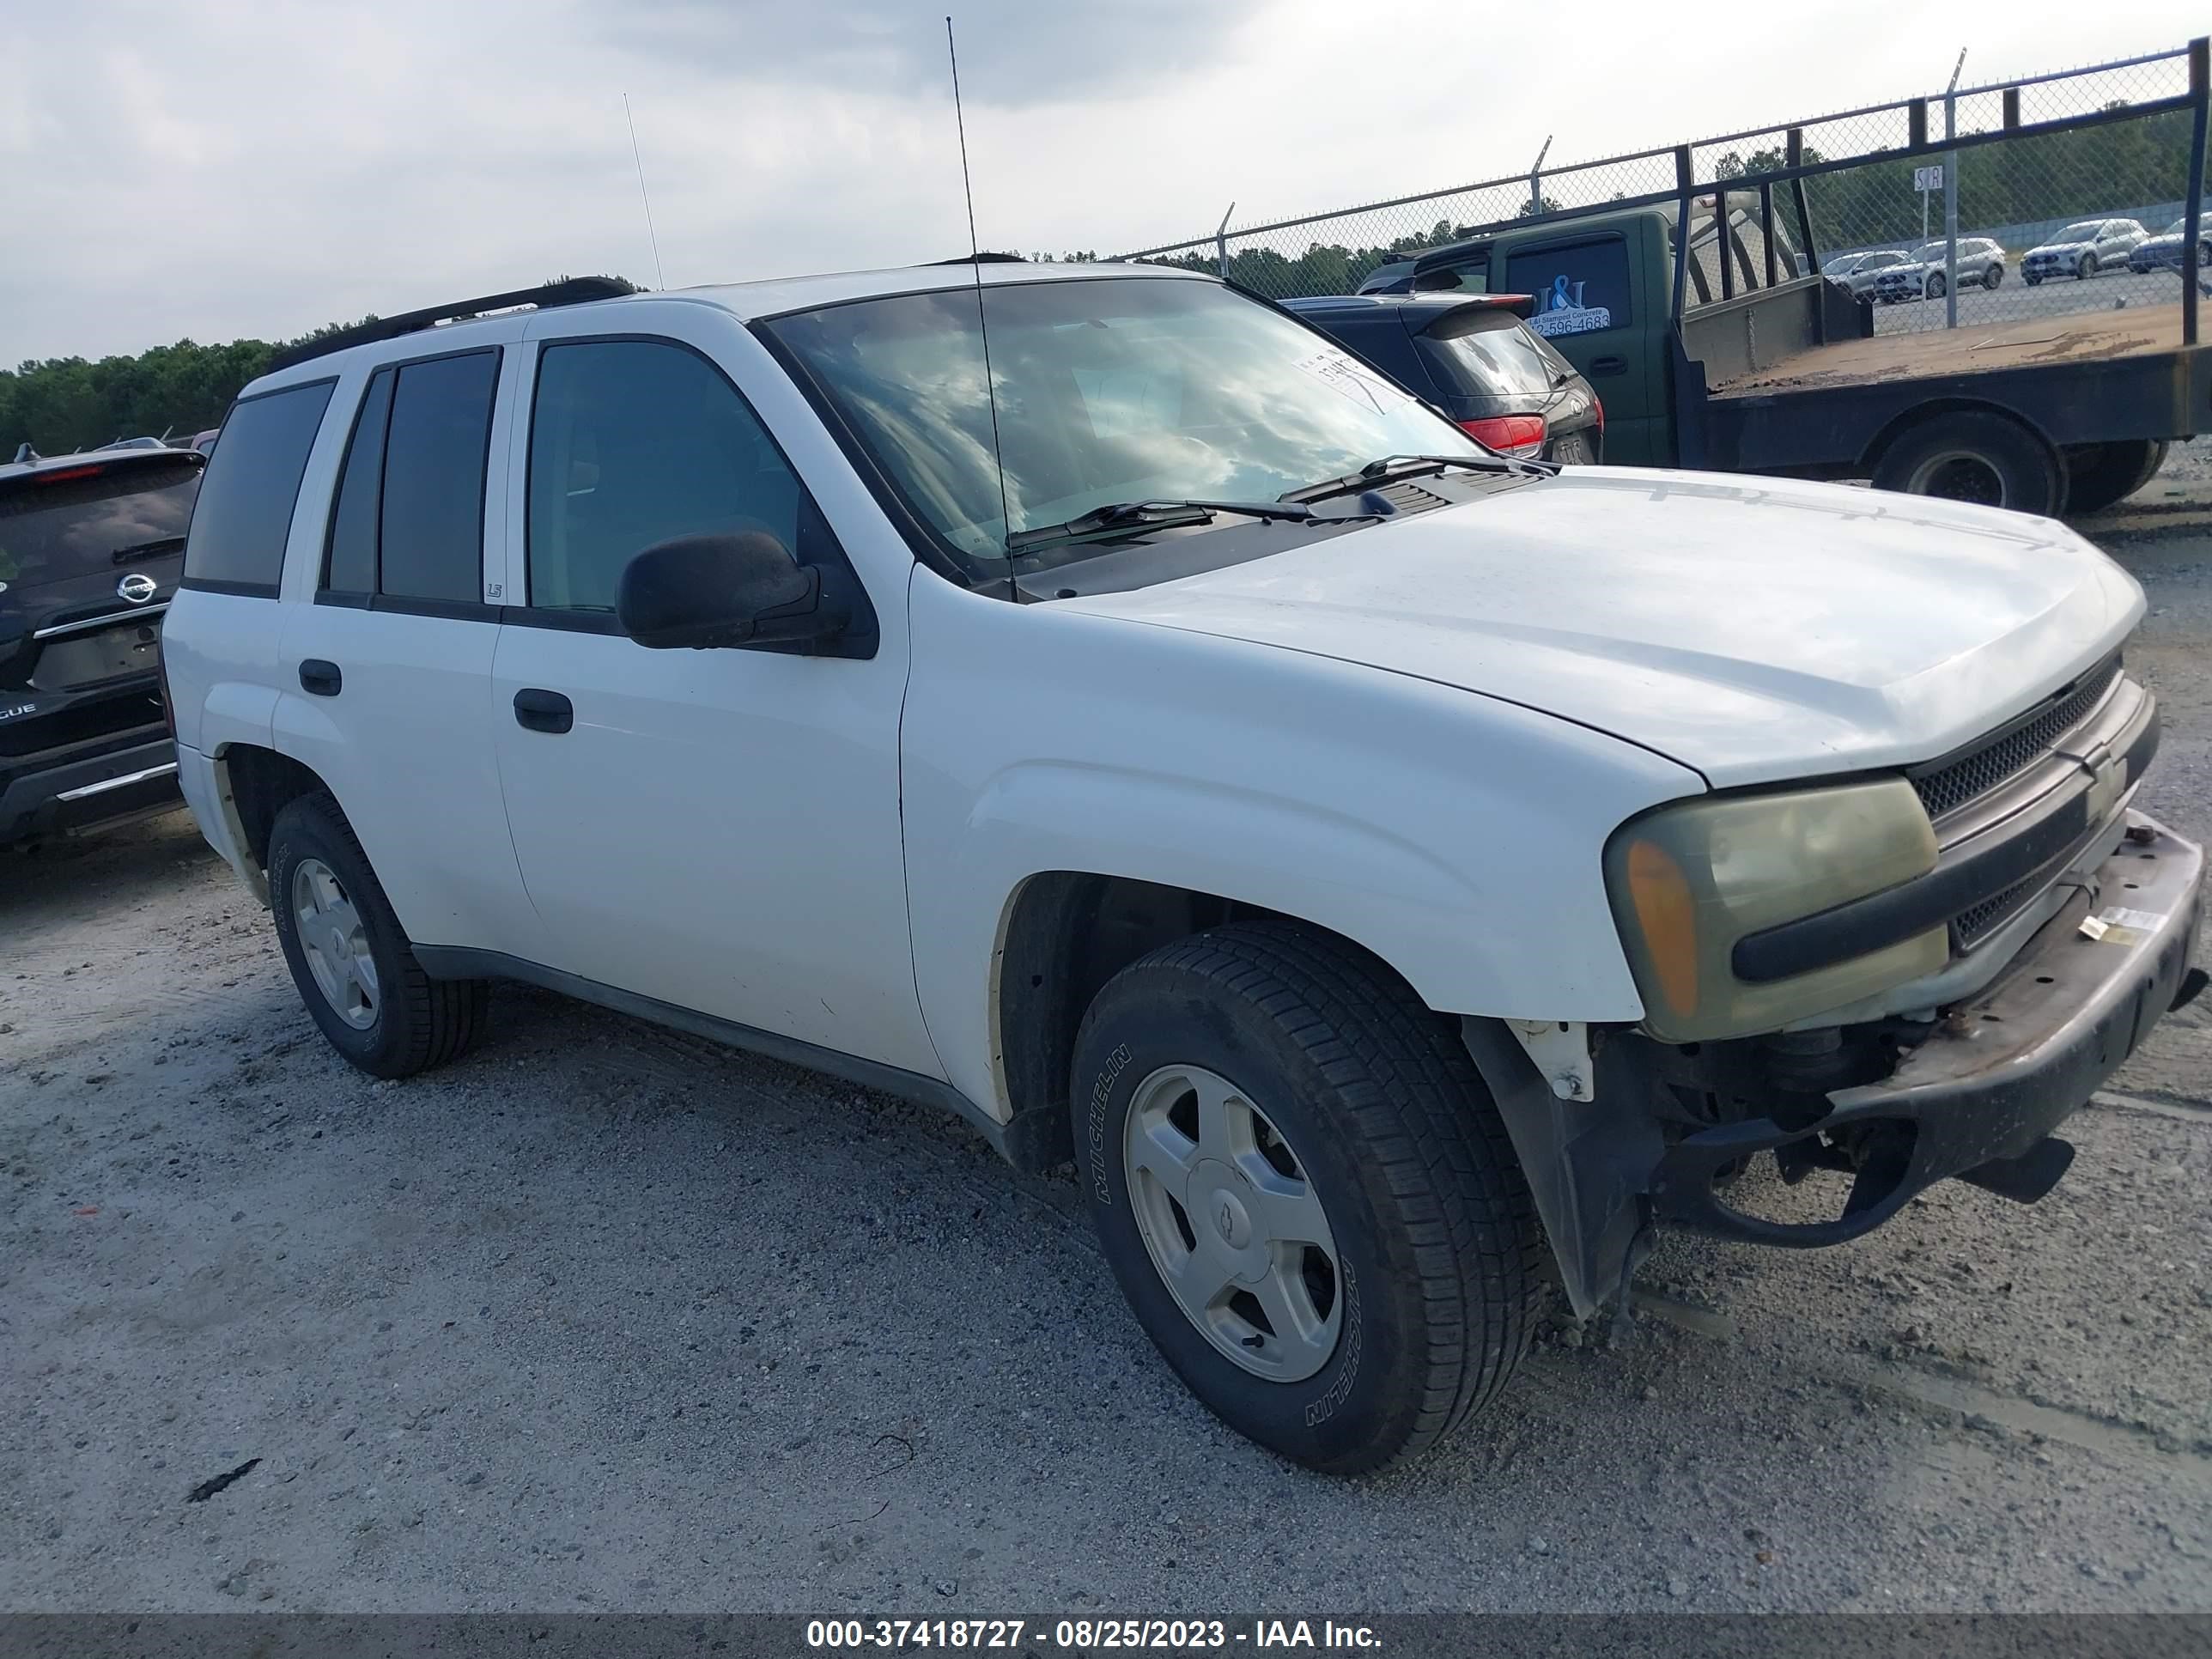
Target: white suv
1376,862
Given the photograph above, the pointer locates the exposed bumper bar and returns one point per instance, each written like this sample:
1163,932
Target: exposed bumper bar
83,791
2002,1070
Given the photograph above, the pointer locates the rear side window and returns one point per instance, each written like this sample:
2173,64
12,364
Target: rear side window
252,485
430,544
636,441
1579,287
93,519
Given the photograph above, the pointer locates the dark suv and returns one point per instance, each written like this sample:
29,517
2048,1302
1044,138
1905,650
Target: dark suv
1474,356
91,546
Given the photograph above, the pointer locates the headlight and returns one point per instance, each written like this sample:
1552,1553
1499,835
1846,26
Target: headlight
1687,882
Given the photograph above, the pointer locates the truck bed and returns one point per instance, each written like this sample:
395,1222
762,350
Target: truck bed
2032,341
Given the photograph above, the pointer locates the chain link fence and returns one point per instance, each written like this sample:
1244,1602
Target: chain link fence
2066,197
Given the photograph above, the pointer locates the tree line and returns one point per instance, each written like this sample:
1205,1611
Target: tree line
66,404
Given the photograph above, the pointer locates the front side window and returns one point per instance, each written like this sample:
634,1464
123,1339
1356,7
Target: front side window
243,514
633,442
1108,390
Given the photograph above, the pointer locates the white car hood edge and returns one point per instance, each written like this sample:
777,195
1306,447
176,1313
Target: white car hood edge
1752,630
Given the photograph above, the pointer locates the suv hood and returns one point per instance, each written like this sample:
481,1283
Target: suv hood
2059,248
1754,632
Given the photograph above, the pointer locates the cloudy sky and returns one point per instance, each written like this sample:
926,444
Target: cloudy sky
219,169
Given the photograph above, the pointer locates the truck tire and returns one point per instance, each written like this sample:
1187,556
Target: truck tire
2099,475
355,967
1973,455
1305,1192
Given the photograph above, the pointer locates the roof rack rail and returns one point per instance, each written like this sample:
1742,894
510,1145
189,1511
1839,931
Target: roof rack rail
575,291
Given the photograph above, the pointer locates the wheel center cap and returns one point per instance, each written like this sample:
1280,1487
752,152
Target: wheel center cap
338,945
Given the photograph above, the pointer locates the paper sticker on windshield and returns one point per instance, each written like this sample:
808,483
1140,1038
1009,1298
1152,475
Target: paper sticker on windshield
1562,311
1336,370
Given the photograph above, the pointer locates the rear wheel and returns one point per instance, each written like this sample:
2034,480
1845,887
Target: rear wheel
1305,1192
1935,286
355,967
1992,276
2100,474
1974,456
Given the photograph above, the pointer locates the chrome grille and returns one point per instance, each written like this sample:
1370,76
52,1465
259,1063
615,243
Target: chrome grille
1968,777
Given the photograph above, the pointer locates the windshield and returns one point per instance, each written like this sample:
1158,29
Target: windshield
1115,389
71,527
2080,233
2178,227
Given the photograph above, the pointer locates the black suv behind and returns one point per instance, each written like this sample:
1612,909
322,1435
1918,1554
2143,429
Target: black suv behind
91,546
1474,356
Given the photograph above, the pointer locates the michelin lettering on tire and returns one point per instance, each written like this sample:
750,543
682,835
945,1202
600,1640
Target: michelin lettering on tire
1116,1063
1324,1406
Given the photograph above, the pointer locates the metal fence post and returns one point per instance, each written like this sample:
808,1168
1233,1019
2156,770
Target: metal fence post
1951,198
1221,245
2200,93
1685,176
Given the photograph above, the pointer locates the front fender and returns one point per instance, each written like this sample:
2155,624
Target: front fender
1456,836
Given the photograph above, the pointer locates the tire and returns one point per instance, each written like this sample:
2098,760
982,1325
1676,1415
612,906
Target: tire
1974,456
1392,1150
403,1022
1933,289
2099,475
2087,268
1992,277
2030,278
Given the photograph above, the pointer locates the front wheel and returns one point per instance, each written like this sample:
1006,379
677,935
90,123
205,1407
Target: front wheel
2087,268
2030,278
1935,288
1305,1192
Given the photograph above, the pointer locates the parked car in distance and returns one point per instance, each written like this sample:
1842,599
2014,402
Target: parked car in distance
1373,861
2163,251
1919,274
2083,249
91,546
1857,271
1475,358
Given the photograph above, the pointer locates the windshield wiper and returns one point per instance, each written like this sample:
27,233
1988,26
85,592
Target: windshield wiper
149,549
1388,467
1129,518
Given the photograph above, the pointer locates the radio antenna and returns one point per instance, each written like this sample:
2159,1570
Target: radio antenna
975,264
659,275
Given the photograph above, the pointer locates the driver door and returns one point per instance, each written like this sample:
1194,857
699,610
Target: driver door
717,830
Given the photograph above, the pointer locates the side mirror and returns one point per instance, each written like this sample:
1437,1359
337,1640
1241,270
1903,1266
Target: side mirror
703,591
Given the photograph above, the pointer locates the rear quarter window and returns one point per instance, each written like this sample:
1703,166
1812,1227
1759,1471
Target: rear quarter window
252,483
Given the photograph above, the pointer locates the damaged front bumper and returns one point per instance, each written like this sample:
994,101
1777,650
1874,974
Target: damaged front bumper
1976,1098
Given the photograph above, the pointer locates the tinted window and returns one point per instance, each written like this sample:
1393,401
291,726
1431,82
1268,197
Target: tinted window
1469,276
633,442
1489,358
252,484
349,566
432,542
66,523
1579,286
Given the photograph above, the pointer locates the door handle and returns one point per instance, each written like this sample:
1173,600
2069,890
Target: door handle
1608,366
544,711
321,678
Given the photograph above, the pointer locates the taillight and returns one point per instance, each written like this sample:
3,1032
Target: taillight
1509,435
1597,409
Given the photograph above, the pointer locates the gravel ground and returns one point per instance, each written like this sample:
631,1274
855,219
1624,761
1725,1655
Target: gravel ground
606,1318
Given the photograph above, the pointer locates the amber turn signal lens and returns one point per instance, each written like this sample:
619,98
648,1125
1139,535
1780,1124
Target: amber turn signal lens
1668,915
